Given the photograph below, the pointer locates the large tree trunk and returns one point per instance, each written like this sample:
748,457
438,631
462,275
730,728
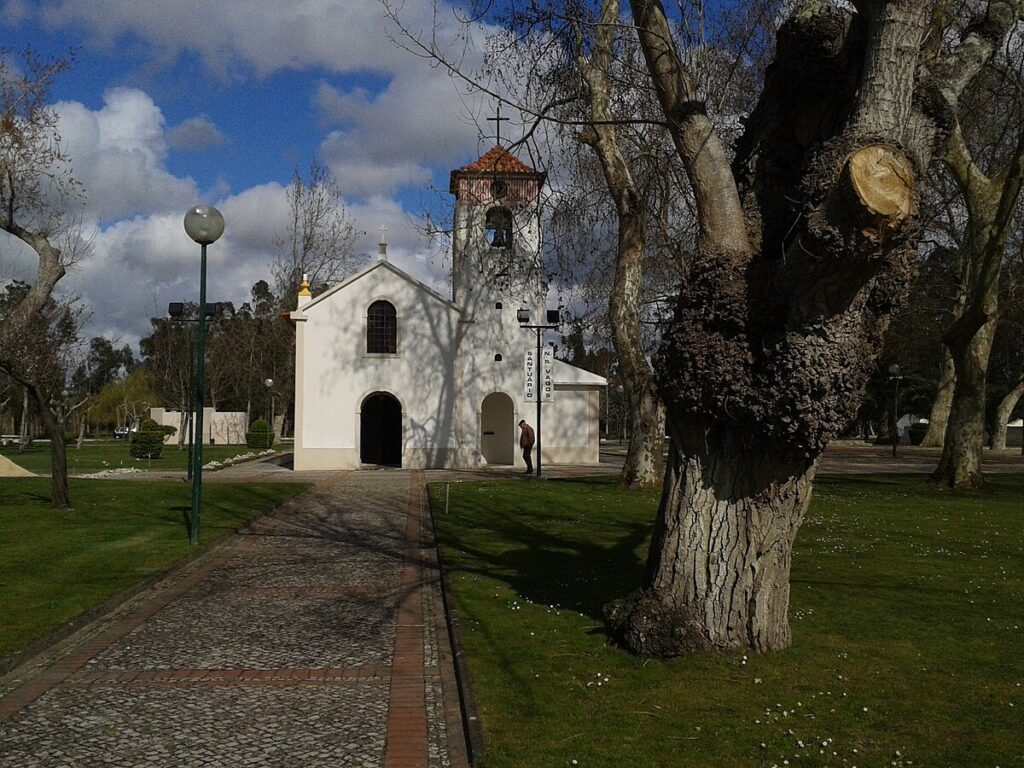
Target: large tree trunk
644,464
1003,412
960,465
939,416
805,249
718,569
60,499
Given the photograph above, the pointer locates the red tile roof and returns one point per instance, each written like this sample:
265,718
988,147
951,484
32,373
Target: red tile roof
498,159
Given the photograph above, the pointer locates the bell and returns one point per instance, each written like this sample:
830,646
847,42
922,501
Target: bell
500,239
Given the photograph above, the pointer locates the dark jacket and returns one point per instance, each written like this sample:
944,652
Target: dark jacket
526,437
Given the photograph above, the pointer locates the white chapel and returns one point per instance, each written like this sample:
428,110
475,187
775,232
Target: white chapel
390,372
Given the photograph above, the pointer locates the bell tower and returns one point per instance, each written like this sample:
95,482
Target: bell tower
496,237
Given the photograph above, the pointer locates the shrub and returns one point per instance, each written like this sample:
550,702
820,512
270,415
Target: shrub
917,433
260,435
148,442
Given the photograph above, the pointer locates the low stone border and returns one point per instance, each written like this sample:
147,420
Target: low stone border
471,724
242,458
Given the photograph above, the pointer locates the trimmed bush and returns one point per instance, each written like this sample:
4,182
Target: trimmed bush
917,433
260,435
148,442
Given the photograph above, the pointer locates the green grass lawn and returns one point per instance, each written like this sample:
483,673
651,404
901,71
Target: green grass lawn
112,454
908,632
56,564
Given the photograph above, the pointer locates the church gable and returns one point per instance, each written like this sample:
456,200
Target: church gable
367,280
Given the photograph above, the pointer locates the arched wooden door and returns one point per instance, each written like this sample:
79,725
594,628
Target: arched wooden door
497,427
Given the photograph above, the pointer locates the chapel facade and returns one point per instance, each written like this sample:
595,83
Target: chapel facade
390,372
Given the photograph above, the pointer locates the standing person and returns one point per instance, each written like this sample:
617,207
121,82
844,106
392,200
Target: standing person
526,440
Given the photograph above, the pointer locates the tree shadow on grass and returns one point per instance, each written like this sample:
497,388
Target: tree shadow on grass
186,518
573,558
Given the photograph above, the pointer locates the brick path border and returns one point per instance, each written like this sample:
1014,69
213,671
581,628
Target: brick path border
407,742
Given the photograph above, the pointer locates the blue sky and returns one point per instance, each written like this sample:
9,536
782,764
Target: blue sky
180,101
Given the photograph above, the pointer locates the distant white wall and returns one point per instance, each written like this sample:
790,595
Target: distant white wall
219,427
1013,434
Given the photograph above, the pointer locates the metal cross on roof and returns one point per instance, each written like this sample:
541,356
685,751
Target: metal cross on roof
498,120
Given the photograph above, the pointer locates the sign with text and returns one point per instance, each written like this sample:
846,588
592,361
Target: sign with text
547,374
530,376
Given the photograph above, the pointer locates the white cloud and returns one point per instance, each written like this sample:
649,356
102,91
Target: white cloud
195,134
140,265
262,35
393,140
118,153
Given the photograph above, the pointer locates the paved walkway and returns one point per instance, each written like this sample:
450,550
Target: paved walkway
316,639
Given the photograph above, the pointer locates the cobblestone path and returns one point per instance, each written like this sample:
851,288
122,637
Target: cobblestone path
315,639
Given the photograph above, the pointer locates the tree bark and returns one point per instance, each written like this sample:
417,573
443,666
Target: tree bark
1003,412
24,441
644,465
718,569
182,420
960,465
60,498
939,416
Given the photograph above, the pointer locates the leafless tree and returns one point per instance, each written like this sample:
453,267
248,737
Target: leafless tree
985,157
320,239
37,203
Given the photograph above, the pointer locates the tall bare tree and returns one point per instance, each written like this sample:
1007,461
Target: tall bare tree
986,160
168,353
320,239
37,193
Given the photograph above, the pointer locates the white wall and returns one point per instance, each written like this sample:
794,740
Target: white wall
220,427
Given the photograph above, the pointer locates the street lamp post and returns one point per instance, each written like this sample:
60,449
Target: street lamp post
523,316
269,383
896,378
205,225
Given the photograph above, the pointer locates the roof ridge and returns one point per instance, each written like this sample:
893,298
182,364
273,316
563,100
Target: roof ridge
497,159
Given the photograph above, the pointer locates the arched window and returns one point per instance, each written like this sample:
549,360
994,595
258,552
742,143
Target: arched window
499,228
381,328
